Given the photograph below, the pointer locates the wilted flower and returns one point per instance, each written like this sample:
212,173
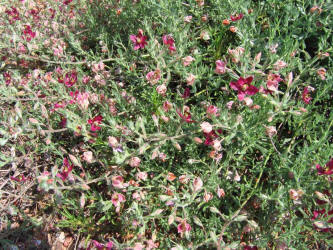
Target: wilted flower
161,89
206,127
197,184
271,131
208,196
82,99
204,35
88,157
236,53
171,176
186,93
229,104
233,29
273,82
200,2
134,162
279,65
141,176
220,192
187,19
225,22
295,194
220,67
154,76
187,60
183,179
167,106
190,79
322,72
96,67
248,101
244,87
139,40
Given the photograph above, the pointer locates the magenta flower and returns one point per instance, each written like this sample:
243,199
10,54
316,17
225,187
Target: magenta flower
211,136
19,178
13,15
29,34
186,116
306,96
236,17
244,87
183,227
139,40
322,213
94,123
70,78
170,42
7,78
186,93
328,170
101,246
66,170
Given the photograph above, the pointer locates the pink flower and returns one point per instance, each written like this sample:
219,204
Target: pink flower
208,196
206,127
187,19
70,78
93,123
273,82
134,162
328,170
229,104
118,182
154,76
139,40
142,176
190,79
170,42
167,106
220,67
161,89
211,110
236,17
83,100
183,227
187,60
66,170
88,157
306,96
117,199
244,87
279,65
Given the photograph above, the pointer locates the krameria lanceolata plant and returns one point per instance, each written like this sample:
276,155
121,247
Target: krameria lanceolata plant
124,122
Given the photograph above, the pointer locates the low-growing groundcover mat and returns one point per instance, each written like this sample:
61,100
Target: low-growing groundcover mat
166,124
